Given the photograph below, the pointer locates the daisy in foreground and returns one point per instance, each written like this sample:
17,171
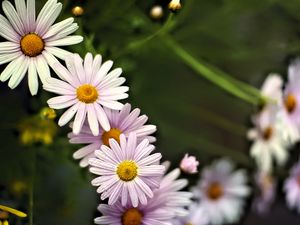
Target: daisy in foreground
85,87
292,188
126,171
168,201
121,122
32,43
220,192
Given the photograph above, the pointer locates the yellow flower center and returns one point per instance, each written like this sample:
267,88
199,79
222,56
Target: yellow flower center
4,215
112,133
87,93
127,170
267,133
290,103
32,44
215,191
189,224
132,217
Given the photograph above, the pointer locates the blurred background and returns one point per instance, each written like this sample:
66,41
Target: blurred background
248,39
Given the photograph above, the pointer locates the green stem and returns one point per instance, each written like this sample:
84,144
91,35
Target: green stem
31,189
209,73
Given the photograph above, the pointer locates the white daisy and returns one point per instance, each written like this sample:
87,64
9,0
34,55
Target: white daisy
220,192
32,43
196,216
126,171
121,122
86,87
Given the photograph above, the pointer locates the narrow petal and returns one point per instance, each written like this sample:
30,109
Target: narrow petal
9,57
13,17
88,66
58,27
64,33
61,102
58,52
79,68
19,74
111,104
102,72
92,119
79,118
21,10
31,25
7,31
68,115
69,40
42,68
10,68
33,82
9,47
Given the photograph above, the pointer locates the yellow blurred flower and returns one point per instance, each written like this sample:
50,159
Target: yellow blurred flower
4,214
38,128
18,187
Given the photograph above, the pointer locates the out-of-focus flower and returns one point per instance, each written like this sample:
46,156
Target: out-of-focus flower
18,187
121,122
175,5
48,113
266,184
5,211
221,192
126,171
196,216
289,114
189,164
167,202
292,188
268,141
156,12
84,89
32,43
77,11
36,129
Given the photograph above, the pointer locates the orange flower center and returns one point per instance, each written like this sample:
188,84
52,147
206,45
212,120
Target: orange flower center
267,133
32,44
132,217
290,103
112,133
87,93
215,191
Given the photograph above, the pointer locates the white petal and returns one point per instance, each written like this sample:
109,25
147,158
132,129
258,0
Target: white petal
19,74
10,68
63,33
33,82
21,9
98,77
88,66
7,31
79,68
102,117
58,52
111,104
9,47
92,119
9,57
13,17
56,28
42,68
69,40
68,115
79,118
31,25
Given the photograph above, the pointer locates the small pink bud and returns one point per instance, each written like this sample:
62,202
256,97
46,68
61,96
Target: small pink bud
189,164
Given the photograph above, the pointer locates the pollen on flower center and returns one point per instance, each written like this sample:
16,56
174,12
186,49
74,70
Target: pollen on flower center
32,44
290,103
267,133
127,170
132,217
112,133
215,191
87,93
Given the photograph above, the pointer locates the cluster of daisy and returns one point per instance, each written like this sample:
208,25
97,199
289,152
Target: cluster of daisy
277,130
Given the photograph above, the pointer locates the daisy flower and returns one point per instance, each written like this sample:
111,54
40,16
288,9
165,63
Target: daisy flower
167,203
268,140
121,122
292,188
220,192
33,43
267,191
196,216
126,170
86,87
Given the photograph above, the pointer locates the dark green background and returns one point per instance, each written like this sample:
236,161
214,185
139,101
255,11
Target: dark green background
245,38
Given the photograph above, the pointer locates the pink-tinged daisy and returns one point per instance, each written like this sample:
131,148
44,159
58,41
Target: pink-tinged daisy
189,164
221,192
118,214
121,122
292,188
32,43
290,111
86,87
266,184
127,171
268,143
196,216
